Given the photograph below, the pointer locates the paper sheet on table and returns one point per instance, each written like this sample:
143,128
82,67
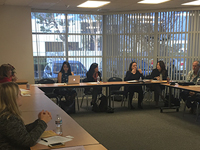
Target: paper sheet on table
48,133
55,139
60,83
25,92
132,81
194,85
92,82
72,148
36,84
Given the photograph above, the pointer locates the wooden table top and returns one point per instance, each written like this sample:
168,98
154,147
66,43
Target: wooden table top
195,88
86,84
21,81
32,105
69,127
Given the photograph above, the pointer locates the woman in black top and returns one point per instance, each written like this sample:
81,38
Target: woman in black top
92,75
134,74
14,134
63,75
156,73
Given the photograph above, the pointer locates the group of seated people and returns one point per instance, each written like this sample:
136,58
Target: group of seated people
16,135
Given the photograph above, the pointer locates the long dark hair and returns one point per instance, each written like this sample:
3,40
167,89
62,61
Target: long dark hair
92,68
131,65
69,68
162,66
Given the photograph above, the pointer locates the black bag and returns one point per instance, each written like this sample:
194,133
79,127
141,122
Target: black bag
174,101
68,106
103,106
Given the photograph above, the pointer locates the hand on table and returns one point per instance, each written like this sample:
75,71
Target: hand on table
45,116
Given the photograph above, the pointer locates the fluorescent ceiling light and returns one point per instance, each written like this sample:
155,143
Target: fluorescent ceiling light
93,4
152,1
197,2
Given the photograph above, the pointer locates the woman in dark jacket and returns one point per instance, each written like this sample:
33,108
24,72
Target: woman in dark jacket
156,74
134,74
92,75
14,134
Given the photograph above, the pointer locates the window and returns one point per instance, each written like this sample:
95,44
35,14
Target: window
57,37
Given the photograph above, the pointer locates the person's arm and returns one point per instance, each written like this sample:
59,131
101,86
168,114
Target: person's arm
99,74
59,77
72,73
141,74
15,131
128,76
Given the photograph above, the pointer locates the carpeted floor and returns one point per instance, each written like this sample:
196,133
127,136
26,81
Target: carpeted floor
146,129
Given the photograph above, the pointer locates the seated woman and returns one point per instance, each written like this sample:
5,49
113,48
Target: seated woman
155,74
92,75
63,75
14,133
134,74
7,73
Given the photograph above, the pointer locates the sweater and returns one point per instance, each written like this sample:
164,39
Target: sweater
156,73
17,136
131,76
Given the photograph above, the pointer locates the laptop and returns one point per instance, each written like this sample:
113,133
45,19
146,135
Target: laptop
73,80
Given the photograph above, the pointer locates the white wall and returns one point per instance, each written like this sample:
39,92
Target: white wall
16,40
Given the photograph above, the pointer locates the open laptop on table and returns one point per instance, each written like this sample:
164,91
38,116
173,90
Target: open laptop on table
73,80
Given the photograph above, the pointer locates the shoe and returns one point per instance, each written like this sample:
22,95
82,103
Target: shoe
140,107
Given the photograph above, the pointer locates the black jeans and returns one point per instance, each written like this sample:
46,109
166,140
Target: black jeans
138,89
189,99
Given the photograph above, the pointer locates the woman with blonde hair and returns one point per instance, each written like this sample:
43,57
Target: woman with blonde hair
7,73
14,133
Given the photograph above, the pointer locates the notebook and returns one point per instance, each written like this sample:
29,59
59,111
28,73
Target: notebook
73,80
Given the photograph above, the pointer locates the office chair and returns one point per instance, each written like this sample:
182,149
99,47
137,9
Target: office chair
49,92
88,92
115,90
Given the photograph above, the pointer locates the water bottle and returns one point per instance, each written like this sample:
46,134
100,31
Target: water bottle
161,77
140,80
98,80
58,125
28,86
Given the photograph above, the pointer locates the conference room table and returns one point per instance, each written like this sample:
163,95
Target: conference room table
36,102
193,88
101,84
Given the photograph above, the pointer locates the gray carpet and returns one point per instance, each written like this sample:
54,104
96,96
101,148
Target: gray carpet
146,129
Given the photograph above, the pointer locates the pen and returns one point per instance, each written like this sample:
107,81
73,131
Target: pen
44,140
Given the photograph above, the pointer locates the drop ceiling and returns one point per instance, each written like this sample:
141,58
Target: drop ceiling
113,7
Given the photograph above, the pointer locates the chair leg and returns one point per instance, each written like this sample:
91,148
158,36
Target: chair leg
82,100
87,101
197,111
77,103
184,108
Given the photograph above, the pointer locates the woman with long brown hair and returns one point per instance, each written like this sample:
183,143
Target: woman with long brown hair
14,133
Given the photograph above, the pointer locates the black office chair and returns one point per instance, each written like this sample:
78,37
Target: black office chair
87,92
49,92
115,90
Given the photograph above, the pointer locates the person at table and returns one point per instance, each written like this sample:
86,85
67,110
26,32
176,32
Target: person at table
14,133
92,75
155,75
63,75
193,76
7,73
134,74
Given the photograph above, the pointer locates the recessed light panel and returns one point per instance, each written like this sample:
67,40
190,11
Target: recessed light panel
93,4
197,2
152,1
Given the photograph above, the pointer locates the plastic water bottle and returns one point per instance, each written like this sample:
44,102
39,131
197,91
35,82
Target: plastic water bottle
28,86
58,123
98,80
140,80
161,77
